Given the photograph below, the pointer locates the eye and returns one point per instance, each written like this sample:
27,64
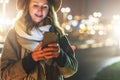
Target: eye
45,6
35,5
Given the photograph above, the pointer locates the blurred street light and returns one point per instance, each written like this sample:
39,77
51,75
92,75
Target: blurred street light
65,12
97,14
70,17
4,22
4,2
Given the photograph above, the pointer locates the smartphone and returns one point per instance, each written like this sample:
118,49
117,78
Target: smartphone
49,37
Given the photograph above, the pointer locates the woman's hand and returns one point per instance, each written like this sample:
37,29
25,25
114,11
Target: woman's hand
37,54
52,51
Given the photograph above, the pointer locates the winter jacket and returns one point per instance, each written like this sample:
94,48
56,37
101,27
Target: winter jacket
13,67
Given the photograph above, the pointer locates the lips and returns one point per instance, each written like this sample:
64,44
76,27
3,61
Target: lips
38,15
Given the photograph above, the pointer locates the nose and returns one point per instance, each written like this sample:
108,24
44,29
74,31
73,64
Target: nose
39,9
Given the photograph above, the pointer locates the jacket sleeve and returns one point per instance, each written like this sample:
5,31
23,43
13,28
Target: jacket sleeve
67,62
11,64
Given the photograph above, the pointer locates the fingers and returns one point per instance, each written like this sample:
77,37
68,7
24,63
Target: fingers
54,47
41,55
50,55
52,51
38,46
38,55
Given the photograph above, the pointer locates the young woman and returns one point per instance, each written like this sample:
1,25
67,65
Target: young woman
23,57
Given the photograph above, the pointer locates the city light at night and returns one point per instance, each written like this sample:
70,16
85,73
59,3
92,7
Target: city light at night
93,28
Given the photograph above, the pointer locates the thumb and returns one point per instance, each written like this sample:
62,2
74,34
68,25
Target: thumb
38,46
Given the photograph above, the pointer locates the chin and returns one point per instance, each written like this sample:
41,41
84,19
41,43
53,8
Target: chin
37,21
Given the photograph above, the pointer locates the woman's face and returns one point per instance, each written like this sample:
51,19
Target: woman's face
38,10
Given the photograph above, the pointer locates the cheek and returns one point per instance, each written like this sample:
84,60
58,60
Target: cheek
45,13
31,11
32,14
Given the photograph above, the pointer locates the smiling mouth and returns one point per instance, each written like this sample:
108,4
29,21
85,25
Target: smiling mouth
38,15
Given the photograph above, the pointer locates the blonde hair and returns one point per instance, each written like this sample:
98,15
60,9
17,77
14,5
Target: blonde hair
51,18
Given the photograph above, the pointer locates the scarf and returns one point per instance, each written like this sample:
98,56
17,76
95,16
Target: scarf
30,42
27,41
